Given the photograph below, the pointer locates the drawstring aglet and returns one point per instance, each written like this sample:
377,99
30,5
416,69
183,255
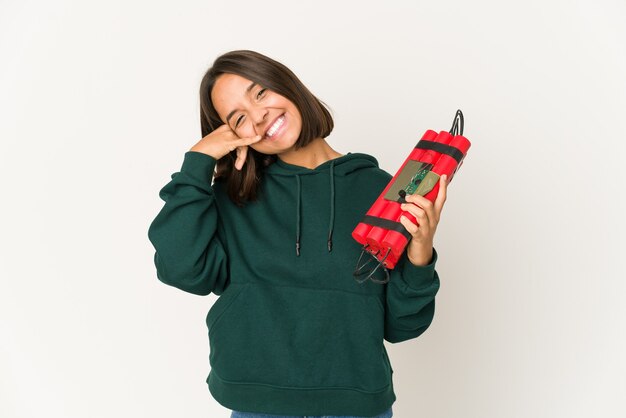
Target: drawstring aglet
298,248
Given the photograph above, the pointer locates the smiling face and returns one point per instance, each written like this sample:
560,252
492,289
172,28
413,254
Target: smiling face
250,109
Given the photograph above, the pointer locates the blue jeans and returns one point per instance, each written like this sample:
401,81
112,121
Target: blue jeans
236,414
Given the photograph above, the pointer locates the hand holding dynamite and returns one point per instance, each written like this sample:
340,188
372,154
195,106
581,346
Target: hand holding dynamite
409,206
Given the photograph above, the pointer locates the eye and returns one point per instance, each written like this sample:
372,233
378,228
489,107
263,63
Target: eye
238,120
261,93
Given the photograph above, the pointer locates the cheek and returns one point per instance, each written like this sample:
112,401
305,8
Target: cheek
245,131
296,119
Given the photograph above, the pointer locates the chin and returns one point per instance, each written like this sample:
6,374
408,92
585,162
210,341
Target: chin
266,150
272,150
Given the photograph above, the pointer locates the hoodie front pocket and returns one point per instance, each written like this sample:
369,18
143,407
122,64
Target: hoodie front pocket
221,305
301,338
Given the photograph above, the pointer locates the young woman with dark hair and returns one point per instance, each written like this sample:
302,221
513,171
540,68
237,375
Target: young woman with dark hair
261,214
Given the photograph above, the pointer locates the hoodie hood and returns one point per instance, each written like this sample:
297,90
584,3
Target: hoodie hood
341,166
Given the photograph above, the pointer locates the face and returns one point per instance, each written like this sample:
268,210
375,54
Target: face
250,109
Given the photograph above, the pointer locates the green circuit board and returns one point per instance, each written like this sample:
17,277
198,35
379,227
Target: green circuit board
415,177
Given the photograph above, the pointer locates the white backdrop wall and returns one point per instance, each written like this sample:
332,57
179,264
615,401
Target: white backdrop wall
99,102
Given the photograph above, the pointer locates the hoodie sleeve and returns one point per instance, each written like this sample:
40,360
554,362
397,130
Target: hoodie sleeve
186,233
410,299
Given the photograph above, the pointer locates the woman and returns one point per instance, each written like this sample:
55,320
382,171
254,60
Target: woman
292,333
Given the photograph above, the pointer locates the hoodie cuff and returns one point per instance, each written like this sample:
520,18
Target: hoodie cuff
199,165
419,276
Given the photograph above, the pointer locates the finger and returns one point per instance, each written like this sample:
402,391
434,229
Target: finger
236,142
442,196
419,200
419,213
237,151
423,203
242,152
410,226
424,223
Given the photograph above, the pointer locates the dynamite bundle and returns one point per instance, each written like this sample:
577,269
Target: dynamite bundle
383,237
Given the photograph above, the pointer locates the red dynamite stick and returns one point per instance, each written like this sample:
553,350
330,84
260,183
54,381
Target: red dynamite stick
362,230
439,154
443,138
429,135
446,165
377,233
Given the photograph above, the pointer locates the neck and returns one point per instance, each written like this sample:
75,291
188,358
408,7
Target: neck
315,153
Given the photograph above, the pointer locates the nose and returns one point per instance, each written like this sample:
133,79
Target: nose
258,115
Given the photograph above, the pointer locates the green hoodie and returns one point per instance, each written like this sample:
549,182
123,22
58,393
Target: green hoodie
290,334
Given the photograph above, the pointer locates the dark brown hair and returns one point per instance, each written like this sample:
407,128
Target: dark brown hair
317,122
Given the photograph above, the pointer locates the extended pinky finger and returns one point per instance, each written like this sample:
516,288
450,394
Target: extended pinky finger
242,152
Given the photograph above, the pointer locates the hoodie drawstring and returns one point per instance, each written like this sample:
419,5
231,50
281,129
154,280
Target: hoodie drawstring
331,224
332,206
298,217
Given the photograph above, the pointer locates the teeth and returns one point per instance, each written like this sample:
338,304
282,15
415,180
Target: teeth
275,126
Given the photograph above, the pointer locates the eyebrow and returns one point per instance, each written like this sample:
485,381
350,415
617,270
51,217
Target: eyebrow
230,115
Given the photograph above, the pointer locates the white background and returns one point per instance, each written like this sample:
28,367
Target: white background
99,102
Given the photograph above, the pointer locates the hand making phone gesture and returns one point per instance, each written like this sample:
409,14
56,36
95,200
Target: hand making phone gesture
224,140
